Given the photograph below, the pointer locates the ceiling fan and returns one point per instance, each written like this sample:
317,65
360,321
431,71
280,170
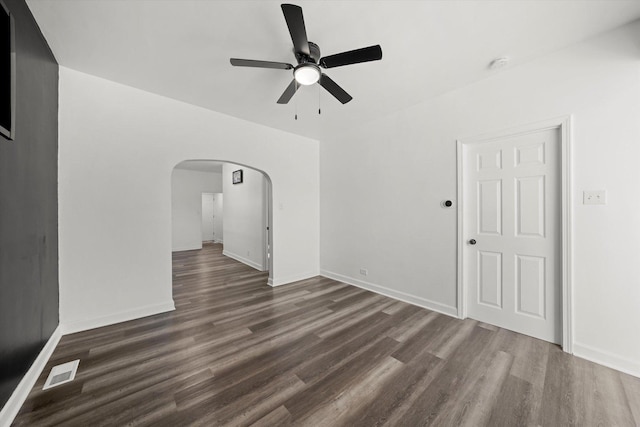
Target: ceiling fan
307,53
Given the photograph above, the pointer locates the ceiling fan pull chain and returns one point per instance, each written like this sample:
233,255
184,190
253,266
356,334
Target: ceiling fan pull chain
319,110
296,102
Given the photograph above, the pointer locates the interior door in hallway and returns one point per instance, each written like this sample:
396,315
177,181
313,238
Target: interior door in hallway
218,218
512,228
207,217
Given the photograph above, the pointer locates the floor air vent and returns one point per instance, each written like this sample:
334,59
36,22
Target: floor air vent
61,374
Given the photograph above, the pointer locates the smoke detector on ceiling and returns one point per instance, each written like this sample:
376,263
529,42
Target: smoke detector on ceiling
499,63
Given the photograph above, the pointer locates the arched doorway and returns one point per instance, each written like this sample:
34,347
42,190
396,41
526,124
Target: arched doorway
247,209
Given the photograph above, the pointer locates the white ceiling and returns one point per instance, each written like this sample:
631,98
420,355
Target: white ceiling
181,49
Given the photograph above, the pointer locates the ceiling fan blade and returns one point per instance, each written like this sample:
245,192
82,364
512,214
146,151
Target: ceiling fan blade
295,22
288,92
335,90
366,54
260,64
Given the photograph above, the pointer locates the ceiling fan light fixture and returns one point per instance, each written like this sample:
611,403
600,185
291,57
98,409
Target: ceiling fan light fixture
307,74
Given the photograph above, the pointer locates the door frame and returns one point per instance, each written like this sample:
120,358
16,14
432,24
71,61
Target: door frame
266,206
564,125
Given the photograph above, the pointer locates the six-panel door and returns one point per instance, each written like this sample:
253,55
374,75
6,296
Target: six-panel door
512,273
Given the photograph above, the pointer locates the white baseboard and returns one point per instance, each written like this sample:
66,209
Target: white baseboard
610,360
243,260
187,248
279,281
218,241
15,402
391,293
123,316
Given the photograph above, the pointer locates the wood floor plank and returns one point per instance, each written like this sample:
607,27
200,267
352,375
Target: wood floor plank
399,392
243,408
356,398
631,387
316,352
329,359
609,401
278,417
516,399
247,373
405,330
422,338
476,399
443,393
530,365
325,389
558,401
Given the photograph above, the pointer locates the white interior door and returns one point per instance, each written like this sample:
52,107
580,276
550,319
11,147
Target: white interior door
207,217
512,268
218,218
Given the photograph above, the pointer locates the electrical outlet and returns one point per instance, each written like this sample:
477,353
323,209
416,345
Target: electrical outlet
364,271
594,197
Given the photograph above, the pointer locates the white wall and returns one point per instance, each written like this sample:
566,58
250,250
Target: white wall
117,149
187,187
382,185
244,216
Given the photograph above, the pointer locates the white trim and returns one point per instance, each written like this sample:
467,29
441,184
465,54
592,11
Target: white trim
564,124
460,289
111,319
613,361
19,395
243,260
391,293
566,133
187,248
218,241
553,123
291,279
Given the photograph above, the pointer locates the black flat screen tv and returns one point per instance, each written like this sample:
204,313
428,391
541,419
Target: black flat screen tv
7,73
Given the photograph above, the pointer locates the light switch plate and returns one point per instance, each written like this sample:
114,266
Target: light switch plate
594,197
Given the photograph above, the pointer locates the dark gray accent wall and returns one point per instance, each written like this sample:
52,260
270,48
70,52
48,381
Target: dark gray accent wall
29,207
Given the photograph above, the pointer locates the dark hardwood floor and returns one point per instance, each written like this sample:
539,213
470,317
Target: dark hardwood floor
317,353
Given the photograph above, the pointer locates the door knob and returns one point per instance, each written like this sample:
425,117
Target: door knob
472,241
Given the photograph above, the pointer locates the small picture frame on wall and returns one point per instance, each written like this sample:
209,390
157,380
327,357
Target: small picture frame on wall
237,176
7,73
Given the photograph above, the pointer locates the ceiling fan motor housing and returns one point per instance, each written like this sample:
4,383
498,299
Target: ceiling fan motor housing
315,56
